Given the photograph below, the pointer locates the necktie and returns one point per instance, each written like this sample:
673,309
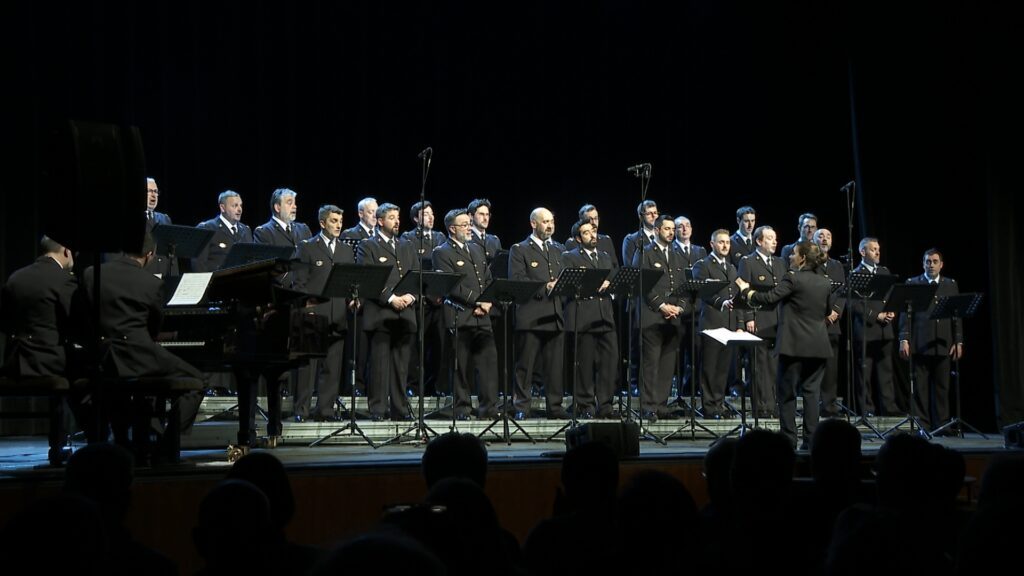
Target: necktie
747,242
593,258
769,262
330,245
686,251
149,214
393,247
234,231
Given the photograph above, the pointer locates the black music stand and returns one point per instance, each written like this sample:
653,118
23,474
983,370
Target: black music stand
576,283
506,292
354,281
180,241
630,282
866,285
909,298
699,289
956,307
243,253
424,284
742,428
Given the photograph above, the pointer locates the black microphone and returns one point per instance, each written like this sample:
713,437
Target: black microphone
849,186
427,152
643,168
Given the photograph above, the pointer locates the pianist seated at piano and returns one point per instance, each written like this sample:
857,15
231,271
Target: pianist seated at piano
131,311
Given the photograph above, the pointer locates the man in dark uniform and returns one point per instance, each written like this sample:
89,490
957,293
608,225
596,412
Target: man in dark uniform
933,343
595,324
317,255
589,213
390,319
480,212
742,241
873,327
716,312
539,322
634,242
806,224
227,230
833,270
690,254
763,272
433,328
131,311
366,227
282,229
161,265
470,319
660,317
35,308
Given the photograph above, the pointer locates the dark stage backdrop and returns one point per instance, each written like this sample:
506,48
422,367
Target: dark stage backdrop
776,105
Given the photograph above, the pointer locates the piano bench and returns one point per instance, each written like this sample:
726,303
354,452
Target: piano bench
160,388
55,389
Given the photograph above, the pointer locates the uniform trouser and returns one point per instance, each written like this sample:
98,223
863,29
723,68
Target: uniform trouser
873,377
762,376
389,365
830,381
931,389
597,371
660,349
533,346
329,370
714,370
477,357
799,376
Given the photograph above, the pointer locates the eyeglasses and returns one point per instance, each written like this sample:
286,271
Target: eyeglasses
465,225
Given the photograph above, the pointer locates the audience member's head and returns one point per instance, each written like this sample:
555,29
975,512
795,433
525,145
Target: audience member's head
662,505
234,530
835,453
102,473
1002,481
381,553
63,534
762,472
267,473
917,476
455,455
717,470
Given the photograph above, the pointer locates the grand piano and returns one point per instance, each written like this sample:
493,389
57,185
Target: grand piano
248,325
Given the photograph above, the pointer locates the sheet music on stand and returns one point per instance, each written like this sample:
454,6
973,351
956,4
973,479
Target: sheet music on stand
585,281
956,306
871,286
243,253
180,241
627,280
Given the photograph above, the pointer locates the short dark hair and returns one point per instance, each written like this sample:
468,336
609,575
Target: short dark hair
575,231
643,206
455,455
414,212
584,209
449,218
743,211
384,208
476,204
805,216
48,245
864,242
759,232
661,220
326,210
936,252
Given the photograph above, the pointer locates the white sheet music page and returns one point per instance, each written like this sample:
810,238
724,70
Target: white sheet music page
191,289
724,335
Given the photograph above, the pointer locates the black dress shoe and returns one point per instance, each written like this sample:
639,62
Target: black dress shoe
376,417
558,415
298,418
650,416
586,416
520,415
408,417
462,417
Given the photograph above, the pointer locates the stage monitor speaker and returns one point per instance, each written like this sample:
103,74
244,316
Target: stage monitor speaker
1013,436
622,437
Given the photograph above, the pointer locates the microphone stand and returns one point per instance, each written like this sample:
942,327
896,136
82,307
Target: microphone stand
422,429
643,172
456,308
